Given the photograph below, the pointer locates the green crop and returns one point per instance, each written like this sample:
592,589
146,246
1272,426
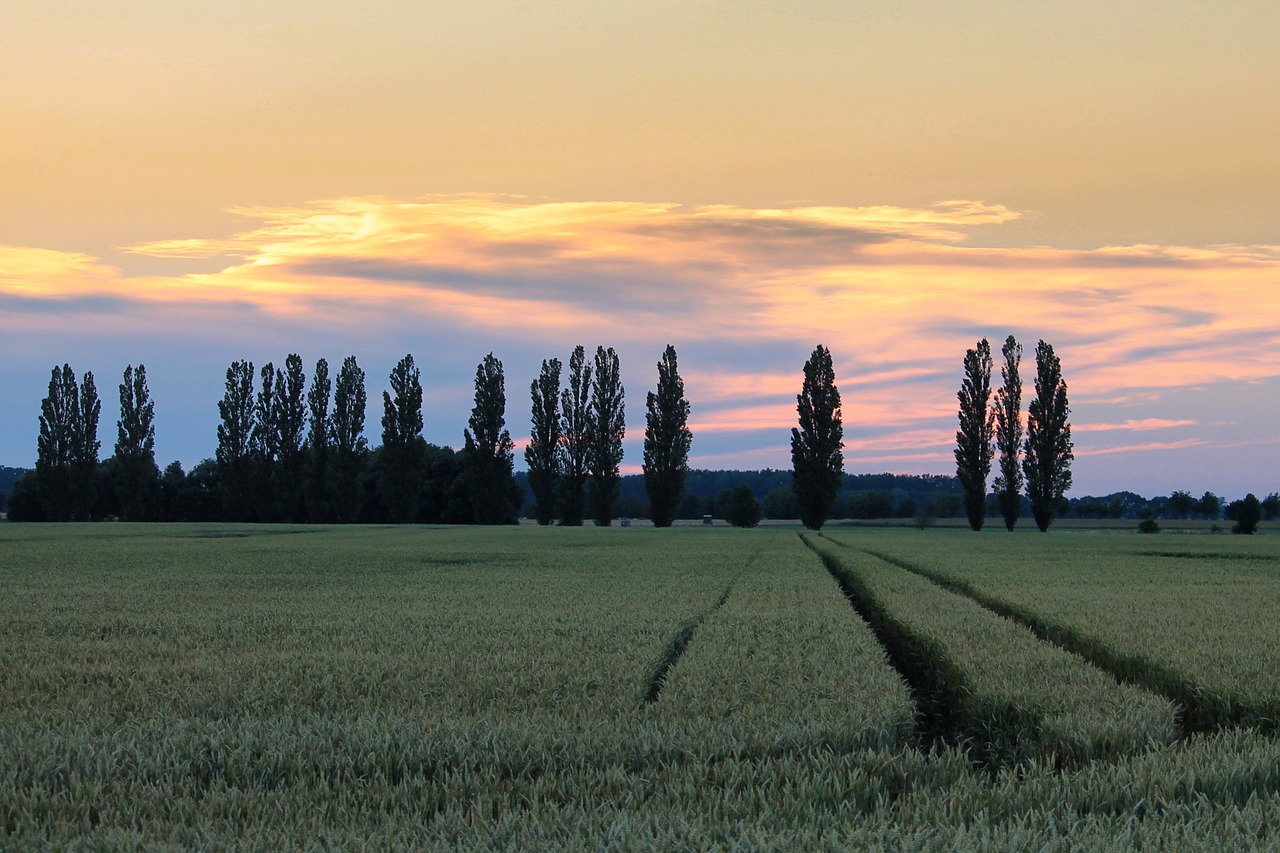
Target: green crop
265,688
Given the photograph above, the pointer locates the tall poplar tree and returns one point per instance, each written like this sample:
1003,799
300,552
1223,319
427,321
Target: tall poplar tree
84,448
1008,485
403,449
235,453
491,484
1047,460
135,451
290,413
56,444
606,428
817,444
317,446
265,447
974,439
575,437
346,430
666,442
542,453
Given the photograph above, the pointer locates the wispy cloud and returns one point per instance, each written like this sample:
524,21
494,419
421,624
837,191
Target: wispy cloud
1142,424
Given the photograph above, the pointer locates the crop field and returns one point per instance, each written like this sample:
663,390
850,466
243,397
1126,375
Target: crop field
273,687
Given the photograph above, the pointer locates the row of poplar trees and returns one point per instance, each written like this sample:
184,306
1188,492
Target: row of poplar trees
575,446
1042,459
287,452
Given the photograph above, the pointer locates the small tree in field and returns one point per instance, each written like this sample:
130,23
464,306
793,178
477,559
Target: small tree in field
974,438
817,443
739,506
1246,513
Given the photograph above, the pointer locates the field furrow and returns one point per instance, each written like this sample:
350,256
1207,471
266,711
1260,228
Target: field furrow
786,665
990,682
1194,620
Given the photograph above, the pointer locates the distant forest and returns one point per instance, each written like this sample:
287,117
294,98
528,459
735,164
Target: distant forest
862,496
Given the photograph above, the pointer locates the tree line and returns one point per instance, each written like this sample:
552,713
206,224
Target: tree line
289,451
295,452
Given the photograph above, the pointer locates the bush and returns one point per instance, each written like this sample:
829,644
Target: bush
1148,525
739,506
1246,512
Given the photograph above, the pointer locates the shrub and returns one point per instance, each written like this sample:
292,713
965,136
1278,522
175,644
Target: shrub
739,506
1148,525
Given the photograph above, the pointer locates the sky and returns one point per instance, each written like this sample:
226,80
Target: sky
186,185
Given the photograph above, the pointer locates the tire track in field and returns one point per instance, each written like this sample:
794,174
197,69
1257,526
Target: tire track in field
1194,714
682,639
933,685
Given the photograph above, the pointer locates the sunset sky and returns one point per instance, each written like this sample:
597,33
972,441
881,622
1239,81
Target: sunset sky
182,185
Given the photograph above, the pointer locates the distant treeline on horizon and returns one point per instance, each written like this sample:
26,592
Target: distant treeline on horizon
861,497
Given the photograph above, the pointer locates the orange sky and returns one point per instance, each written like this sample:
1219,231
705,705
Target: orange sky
185,186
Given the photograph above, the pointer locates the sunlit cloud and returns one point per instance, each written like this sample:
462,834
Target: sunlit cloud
897,293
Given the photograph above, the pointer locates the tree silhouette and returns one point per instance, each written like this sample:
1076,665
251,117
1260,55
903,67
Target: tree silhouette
542,454
346,431
56,444
1008,412
135,450
290,416
265,446
816,446
84,450
490,450
402,444
317,445
974,438
575,438
606,428
666,442
1246,513
235,442
1047,462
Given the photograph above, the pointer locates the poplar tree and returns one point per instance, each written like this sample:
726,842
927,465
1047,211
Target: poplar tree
490,452
265,447
402,445
542,453
84,449
1008,410
574,438
606,428
1047,460
817,444
56,444
666,442
974,439
135,450
235,451
346,430
317,445
290,415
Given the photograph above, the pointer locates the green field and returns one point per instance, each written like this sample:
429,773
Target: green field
210,686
